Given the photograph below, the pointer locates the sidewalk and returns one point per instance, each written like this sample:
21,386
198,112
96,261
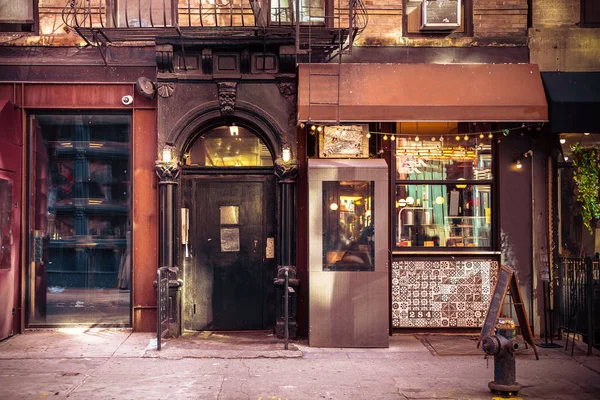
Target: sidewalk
119,364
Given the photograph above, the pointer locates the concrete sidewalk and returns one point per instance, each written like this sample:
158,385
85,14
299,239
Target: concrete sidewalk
119,364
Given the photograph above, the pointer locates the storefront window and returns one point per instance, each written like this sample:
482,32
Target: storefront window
80,219
443,190
348,234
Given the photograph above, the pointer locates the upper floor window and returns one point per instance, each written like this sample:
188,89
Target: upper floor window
427,17
17,15
590,13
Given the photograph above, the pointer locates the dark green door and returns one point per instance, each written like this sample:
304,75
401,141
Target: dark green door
228,269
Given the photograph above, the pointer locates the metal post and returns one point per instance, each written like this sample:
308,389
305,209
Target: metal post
286,311
158,313
589,287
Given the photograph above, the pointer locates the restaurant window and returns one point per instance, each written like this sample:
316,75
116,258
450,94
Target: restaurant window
437,17
17,15
590,13
443,189
79,219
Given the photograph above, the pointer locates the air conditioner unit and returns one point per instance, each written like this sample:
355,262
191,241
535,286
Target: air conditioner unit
440,15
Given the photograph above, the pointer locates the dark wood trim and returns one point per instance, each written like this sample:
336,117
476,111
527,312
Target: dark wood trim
226,171
582,22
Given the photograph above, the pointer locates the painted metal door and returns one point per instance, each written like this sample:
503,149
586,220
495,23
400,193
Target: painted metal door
9,252
228,269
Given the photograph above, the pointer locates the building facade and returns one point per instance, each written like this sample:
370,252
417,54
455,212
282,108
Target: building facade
205,137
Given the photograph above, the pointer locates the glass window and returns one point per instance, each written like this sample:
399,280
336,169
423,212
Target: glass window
80,180
229,146
142,13
6,207
17,15
348,234
433,157
443,193
434,215
311,11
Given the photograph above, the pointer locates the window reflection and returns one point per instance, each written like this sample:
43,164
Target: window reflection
453,215
81,181
348,234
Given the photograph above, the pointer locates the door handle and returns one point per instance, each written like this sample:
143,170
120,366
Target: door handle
255,245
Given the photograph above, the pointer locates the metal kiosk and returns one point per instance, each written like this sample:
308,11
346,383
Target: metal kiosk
348,260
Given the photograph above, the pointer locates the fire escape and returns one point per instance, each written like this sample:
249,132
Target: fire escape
321,29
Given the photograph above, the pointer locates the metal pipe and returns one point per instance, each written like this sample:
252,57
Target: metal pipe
286,323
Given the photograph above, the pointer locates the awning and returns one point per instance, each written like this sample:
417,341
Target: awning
573,100
421,92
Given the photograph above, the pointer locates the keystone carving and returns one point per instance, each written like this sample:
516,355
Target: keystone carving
227,95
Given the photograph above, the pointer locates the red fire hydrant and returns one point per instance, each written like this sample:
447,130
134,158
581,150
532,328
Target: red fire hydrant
503,346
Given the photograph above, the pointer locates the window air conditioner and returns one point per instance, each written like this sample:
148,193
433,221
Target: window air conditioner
440,15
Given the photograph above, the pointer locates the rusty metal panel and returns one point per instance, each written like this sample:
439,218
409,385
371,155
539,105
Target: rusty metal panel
77,96
348,308
145,219
421,92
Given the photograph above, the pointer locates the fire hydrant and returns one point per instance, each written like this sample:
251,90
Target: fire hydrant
503,346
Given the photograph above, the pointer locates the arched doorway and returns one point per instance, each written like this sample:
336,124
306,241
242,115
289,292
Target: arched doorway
228,188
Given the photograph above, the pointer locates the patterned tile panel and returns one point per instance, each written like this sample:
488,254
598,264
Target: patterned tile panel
441,293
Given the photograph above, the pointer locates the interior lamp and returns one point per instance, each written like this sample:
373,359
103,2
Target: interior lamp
519,164
234,130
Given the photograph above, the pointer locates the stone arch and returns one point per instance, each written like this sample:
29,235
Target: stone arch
208,115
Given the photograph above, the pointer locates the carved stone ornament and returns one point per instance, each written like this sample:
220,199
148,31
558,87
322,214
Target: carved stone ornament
287,89
165,89
167,172
286,172
227,95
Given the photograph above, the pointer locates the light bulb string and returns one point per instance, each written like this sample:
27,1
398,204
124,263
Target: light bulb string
490,134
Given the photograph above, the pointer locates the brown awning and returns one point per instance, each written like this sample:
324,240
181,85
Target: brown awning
421,92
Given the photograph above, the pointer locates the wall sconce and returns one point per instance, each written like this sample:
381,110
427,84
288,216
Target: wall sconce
234,130
528,153
168,155
167,164
286,154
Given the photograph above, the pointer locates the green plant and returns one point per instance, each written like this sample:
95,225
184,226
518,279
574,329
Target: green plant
586,175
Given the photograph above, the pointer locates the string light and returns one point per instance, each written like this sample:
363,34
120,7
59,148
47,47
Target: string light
392,136
457,138
368,135
481,135
385,137
417,138
466,138
490,136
